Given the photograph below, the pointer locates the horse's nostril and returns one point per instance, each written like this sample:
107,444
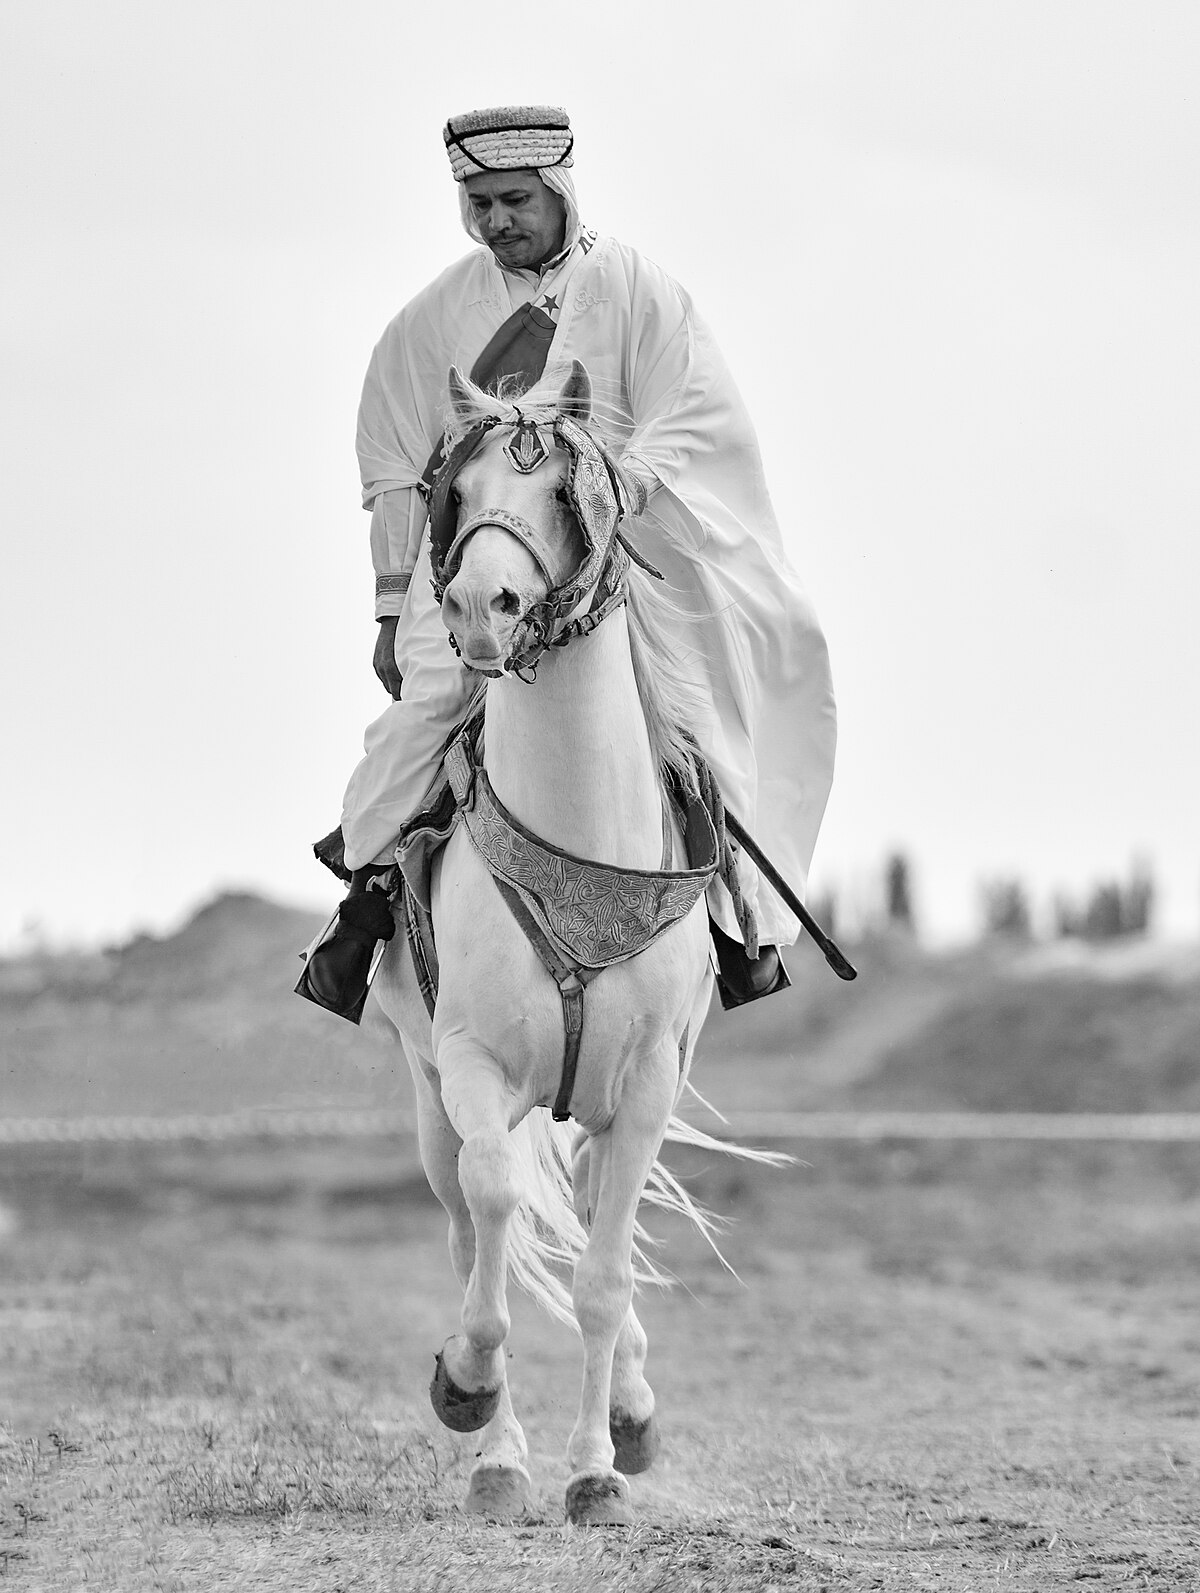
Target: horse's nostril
508,603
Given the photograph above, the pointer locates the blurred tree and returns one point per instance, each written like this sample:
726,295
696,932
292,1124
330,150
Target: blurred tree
1006,909
1068,921
1113,908
1139,900
898,893
1103,917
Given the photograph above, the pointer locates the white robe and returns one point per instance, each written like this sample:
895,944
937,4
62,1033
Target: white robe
711,529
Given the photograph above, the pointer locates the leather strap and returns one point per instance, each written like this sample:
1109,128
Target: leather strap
571,979
516,525
610,594
418,929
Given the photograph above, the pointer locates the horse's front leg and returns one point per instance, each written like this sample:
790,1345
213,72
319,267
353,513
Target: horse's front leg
632,1424
470,1387
500,1484
620,1159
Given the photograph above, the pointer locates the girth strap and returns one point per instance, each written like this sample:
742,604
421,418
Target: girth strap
418,929
571,978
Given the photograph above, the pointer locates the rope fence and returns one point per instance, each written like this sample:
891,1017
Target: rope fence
1155,1127
1152,1127
204,1129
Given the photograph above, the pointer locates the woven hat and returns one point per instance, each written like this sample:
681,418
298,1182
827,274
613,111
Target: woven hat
508,138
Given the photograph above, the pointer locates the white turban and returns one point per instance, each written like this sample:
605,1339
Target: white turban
508,138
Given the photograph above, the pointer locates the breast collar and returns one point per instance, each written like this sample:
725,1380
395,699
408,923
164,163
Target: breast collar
579,916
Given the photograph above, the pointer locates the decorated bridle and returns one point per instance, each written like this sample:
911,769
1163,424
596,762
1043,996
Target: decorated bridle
599,503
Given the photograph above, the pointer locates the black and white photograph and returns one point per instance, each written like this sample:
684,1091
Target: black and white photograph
600,933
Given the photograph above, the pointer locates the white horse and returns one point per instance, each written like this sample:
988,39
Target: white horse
577,756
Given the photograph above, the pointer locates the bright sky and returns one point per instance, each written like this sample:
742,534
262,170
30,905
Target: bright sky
950,248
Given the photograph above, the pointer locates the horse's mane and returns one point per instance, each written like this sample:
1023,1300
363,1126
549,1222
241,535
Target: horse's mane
673,702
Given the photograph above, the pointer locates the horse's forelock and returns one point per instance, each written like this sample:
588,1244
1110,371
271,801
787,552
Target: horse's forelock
609,421
476,406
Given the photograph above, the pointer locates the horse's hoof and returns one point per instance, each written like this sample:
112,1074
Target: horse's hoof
598,1499
636,1443
499,1493
457,1409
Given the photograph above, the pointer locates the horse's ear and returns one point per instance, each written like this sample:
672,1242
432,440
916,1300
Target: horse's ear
576,396
460,402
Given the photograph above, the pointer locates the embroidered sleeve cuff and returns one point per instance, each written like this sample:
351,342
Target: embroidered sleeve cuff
390,591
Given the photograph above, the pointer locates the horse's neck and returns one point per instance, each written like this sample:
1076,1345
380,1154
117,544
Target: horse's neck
569,755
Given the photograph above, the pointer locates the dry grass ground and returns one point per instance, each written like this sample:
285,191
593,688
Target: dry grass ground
952,1368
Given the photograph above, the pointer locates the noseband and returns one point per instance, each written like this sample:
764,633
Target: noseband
597,502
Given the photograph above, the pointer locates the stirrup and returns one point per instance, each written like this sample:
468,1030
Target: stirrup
346,931
731,997
738,974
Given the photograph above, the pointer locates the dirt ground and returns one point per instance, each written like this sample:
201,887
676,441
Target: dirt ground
943,1367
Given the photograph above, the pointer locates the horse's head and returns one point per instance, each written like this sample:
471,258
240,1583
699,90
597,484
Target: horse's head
523,517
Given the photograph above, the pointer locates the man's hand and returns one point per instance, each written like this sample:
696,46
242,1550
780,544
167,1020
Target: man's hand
385,655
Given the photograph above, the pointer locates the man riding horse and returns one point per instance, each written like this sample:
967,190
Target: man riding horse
542,292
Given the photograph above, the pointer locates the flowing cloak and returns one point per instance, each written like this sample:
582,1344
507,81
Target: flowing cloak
671,410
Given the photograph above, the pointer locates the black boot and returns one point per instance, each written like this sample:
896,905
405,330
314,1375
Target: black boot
741,978
338,972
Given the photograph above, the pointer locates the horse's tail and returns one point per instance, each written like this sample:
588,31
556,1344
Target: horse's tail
546,1237
664,1189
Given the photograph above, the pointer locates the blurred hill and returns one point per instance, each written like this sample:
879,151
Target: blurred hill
199,1021
205,1021
1054,1028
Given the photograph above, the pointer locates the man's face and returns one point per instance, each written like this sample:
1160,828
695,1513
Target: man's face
521,220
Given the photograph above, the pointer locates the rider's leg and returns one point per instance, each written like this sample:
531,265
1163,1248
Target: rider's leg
740,977
337,972
403,747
